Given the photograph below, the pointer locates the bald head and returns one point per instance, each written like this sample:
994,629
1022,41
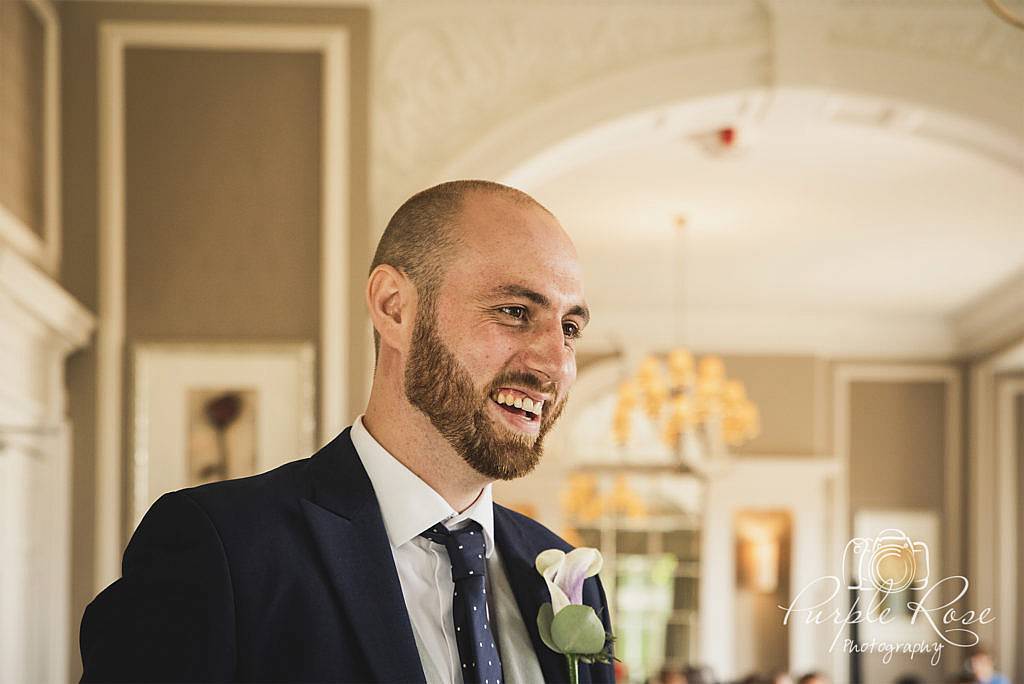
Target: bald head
422,238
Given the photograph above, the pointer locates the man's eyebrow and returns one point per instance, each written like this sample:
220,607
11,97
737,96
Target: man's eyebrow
582,311
539,299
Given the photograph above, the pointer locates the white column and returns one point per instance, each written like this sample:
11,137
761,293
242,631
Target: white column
40,325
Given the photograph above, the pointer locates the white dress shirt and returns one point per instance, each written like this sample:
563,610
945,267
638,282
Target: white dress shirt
409,506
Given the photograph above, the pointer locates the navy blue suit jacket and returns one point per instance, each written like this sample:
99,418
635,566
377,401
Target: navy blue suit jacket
286,576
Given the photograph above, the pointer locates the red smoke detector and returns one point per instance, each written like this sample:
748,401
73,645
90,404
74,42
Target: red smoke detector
724,141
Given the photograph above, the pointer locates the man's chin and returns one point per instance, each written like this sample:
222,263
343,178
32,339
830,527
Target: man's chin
508,455
511,466
510,438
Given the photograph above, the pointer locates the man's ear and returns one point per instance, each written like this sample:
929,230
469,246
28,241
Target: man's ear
389,297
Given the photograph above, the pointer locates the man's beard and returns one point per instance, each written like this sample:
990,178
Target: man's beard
439,386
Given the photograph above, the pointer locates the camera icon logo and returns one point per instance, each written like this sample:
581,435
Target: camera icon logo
890,562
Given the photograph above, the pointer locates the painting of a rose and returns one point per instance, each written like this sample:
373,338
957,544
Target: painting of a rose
222,434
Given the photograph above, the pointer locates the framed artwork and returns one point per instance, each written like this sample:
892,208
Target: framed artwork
217,411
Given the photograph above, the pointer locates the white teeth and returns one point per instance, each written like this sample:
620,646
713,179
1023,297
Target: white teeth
525,403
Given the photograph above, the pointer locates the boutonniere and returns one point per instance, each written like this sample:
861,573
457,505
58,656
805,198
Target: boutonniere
566,625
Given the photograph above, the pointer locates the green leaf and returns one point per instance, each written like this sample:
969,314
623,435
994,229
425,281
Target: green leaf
577,629
545,616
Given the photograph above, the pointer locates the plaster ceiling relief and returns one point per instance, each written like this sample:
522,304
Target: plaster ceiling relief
448,72
454,78
960,32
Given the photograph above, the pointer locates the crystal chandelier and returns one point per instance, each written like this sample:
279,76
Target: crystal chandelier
698,412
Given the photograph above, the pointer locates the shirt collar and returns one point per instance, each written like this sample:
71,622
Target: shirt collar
408,504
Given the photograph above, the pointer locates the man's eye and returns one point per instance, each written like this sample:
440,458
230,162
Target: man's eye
517,312
571,330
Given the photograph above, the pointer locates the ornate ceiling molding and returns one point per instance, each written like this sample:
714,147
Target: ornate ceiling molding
447,73
453,82
962,33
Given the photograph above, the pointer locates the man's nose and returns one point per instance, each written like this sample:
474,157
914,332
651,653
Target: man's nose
549,356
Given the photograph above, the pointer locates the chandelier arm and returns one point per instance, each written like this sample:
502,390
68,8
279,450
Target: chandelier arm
1004,13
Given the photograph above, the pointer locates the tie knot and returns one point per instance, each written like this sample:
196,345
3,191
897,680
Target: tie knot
466,547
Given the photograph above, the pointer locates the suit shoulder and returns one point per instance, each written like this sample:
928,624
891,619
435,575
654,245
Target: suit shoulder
539,535
266,504
283,481
244,506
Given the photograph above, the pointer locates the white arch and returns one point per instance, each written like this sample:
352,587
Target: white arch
586,116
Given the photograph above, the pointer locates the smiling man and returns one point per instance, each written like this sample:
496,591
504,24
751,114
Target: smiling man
383,557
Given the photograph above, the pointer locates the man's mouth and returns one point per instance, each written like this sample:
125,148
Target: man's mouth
518,403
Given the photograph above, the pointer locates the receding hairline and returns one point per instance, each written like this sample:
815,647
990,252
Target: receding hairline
424,228
492,189
422,237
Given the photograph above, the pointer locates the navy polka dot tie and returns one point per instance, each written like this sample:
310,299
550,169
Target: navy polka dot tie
467,552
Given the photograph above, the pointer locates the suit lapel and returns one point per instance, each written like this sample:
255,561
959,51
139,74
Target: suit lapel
345,519
518,554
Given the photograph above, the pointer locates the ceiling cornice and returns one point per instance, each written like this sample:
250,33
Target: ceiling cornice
991,319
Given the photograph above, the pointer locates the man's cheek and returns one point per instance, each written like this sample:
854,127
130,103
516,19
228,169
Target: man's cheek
494,353
569,373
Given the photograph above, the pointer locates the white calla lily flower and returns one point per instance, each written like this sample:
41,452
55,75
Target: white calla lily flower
565,572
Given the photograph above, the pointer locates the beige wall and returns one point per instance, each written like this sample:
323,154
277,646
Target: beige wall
21,113
790,392
222,215
222,162
897,445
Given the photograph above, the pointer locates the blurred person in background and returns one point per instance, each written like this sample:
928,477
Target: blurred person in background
983,668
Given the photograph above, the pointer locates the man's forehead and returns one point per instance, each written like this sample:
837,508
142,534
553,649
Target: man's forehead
517,260
491,225
550,280
503,241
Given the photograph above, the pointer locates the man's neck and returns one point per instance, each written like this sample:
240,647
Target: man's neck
409,436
